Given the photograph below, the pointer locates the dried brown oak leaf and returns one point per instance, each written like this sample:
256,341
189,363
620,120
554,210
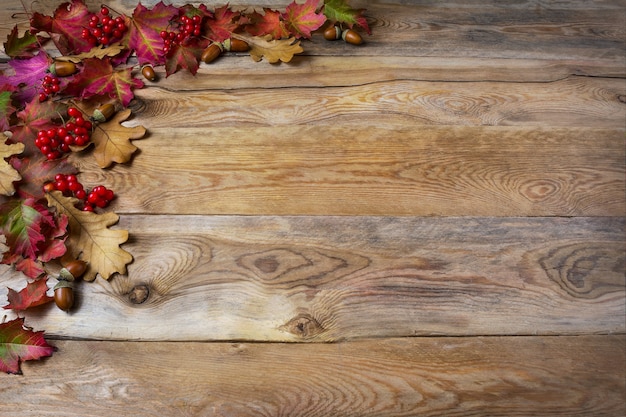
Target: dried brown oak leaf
272,50
97,52
8,174
90,237
112,140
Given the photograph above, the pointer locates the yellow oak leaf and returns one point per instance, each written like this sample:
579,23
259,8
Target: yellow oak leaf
8,174
96,52
273,50
90,237
112,140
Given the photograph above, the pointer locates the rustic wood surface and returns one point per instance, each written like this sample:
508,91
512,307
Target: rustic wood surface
434,221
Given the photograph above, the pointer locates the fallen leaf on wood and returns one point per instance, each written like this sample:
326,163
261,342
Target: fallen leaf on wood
91,239
34,294
8,174
20,344
97,52
112,140
272,50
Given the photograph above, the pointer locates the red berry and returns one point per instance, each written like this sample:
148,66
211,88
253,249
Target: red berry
109,196
73,112
80,194
104,11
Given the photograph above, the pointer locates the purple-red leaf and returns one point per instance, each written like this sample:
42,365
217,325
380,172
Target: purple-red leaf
185,56
99,78
27,76
145,28
18,344
65,27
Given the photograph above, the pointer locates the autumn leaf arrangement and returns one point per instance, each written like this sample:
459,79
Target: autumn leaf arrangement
65,94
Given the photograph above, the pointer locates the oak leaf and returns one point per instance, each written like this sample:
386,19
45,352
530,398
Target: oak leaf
96,52
8,174
273,50
33,295
113,141
91,239
17,343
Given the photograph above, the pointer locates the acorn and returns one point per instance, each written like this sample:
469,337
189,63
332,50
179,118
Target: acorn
64,295
103,113
211,53
148,72
332,33
351,37
73,270
63,68
236,45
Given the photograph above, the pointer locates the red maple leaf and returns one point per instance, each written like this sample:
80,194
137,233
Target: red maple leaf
185,56
144,32
222,24
65,26
302,19
33,295
268,23
17,343
99,78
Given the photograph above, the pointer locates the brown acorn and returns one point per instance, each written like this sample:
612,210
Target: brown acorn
351,37
211,53
76,269
64,295
103,113
63,68
236,45
148,72
332,33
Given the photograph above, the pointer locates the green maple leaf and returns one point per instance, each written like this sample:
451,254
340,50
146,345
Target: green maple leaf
339,11
18,343
20,47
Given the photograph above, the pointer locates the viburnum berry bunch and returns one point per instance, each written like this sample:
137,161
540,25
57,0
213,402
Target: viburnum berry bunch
103,29
71,103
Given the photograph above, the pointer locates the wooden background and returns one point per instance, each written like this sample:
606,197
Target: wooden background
435,220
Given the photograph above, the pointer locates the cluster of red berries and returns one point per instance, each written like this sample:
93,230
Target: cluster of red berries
103,29
50,85
99,196
55,142
188,27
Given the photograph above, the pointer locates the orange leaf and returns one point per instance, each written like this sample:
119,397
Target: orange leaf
90,237
112,140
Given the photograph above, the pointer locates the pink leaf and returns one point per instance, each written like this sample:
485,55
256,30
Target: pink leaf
302,19
28,76
65,26
145,28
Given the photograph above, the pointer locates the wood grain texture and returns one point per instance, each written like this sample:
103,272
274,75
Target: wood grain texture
332,278
513,376
372,170
576,101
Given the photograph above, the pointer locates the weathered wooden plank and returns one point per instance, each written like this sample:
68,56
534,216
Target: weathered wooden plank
380,169
576,101
513,376
330,278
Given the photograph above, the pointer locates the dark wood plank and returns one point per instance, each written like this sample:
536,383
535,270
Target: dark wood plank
513,376
331,278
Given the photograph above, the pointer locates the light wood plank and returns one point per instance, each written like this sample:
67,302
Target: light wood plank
331,278
371,170
564,376
573,102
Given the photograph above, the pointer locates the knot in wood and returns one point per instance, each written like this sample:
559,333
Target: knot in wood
139,294
304,326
